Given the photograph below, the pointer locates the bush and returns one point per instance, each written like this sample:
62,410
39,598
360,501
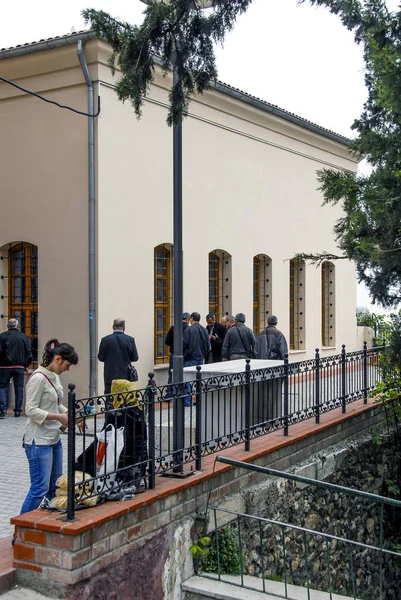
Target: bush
223,553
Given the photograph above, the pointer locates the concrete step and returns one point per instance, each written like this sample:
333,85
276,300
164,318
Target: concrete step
22,593
227,588
7,571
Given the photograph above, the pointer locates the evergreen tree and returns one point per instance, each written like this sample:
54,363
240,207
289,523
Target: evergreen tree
175,30
369,232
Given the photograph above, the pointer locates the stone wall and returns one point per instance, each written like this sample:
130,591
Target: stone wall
140,548
358,464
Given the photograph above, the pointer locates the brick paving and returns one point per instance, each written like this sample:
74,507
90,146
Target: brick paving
14,472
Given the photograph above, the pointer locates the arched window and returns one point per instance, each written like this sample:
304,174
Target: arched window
262,291
220,283
20,271
297,304
328,304
163,302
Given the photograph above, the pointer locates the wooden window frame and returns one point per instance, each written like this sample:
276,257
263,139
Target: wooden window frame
25,305
297,304
166,304
214,275
257,267
221,273
328,304
262,292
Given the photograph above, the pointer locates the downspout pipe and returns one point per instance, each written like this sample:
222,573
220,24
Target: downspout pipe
91,221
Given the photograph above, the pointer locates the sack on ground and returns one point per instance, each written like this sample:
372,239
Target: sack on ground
83,489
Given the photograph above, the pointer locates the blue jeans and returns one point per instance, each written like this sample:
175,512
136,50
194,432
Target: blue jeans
45,467
190,363
17,374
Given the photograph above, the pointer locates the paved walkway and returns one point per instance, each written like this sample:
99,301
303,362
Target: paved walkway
14,473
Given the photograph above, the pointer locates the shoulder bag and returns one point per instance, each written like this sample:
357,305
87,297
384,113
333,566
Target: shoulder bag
249,349
132,373
272,354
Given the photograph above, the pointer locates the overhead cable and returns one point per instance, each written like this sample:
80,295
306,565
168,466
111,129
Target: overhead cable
78,112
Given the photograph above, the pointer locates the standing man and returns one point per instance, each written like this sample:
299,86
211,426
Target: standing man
15,357
239,341
196,346
217,333
170,343
117,351
271,343
196,342
227,321
230,321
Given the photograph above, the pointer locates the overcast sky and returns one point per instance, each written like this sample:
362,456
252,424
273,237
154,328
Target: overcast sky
298,57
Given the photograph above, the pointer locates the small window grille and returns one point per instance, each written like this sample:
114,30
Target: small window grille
328,304
163,300
297,304
262,291
219,283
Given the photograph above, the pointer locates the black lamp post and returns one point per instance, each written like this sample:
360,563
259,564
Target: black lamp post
178,358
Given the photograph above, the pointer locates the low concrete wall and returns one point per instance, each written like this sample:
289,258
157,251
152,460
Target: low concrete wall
140,548
364,334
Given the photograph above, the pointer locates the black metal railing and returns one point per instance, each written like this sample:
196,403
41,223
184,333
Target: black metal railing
333,552
122,441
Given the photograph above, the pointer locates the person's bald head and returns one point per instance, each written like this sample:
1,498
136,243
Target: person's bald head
119,324
12,324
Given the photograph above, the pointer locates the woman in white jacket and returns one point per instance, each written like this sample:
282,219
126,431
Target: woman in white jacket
46,412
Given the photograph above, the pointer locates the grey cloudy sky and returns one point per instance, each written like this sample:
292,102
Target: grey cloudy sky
298,57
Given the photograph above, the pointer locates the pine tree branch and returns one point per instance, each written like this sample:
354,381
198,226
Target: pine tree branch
180,27
319,258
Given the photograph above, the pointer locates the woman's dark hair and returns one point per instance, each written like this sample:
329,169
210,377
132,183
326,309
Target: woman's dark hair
55,348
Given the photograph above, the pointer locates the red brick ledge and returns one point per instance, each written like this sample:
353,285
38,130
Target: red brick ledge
90,518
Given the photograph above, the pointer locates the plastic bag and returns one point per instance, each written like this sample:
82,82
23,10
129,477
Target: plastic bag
110,443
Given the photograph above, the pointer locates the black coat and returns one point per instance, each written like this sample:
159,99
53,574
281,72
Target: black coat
15,349
170,337
219,331
117,355
196,343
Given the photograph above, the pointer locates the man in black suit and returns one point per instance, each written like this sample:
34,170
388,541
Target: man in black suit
117,351
217,333
170,343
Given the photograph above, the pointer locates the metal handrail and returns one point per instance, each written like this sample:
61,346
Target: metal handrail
326,537
307,480
303,530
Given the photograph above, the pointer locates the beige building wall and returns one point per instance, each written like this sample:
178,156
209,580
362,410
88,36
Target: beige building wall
43,190
249,187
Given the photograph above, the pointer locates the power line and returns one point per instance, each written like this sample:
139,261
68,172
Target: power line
78,112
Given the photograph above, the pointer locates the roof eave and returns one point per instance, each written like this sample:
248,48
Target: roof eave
219,86
275,110
49,44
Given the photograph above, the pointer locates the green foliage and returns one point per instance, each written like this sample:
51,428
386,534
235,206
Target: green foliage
176,29
388,391
364,317
200,547
223,553
379,323
393,488
369,232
